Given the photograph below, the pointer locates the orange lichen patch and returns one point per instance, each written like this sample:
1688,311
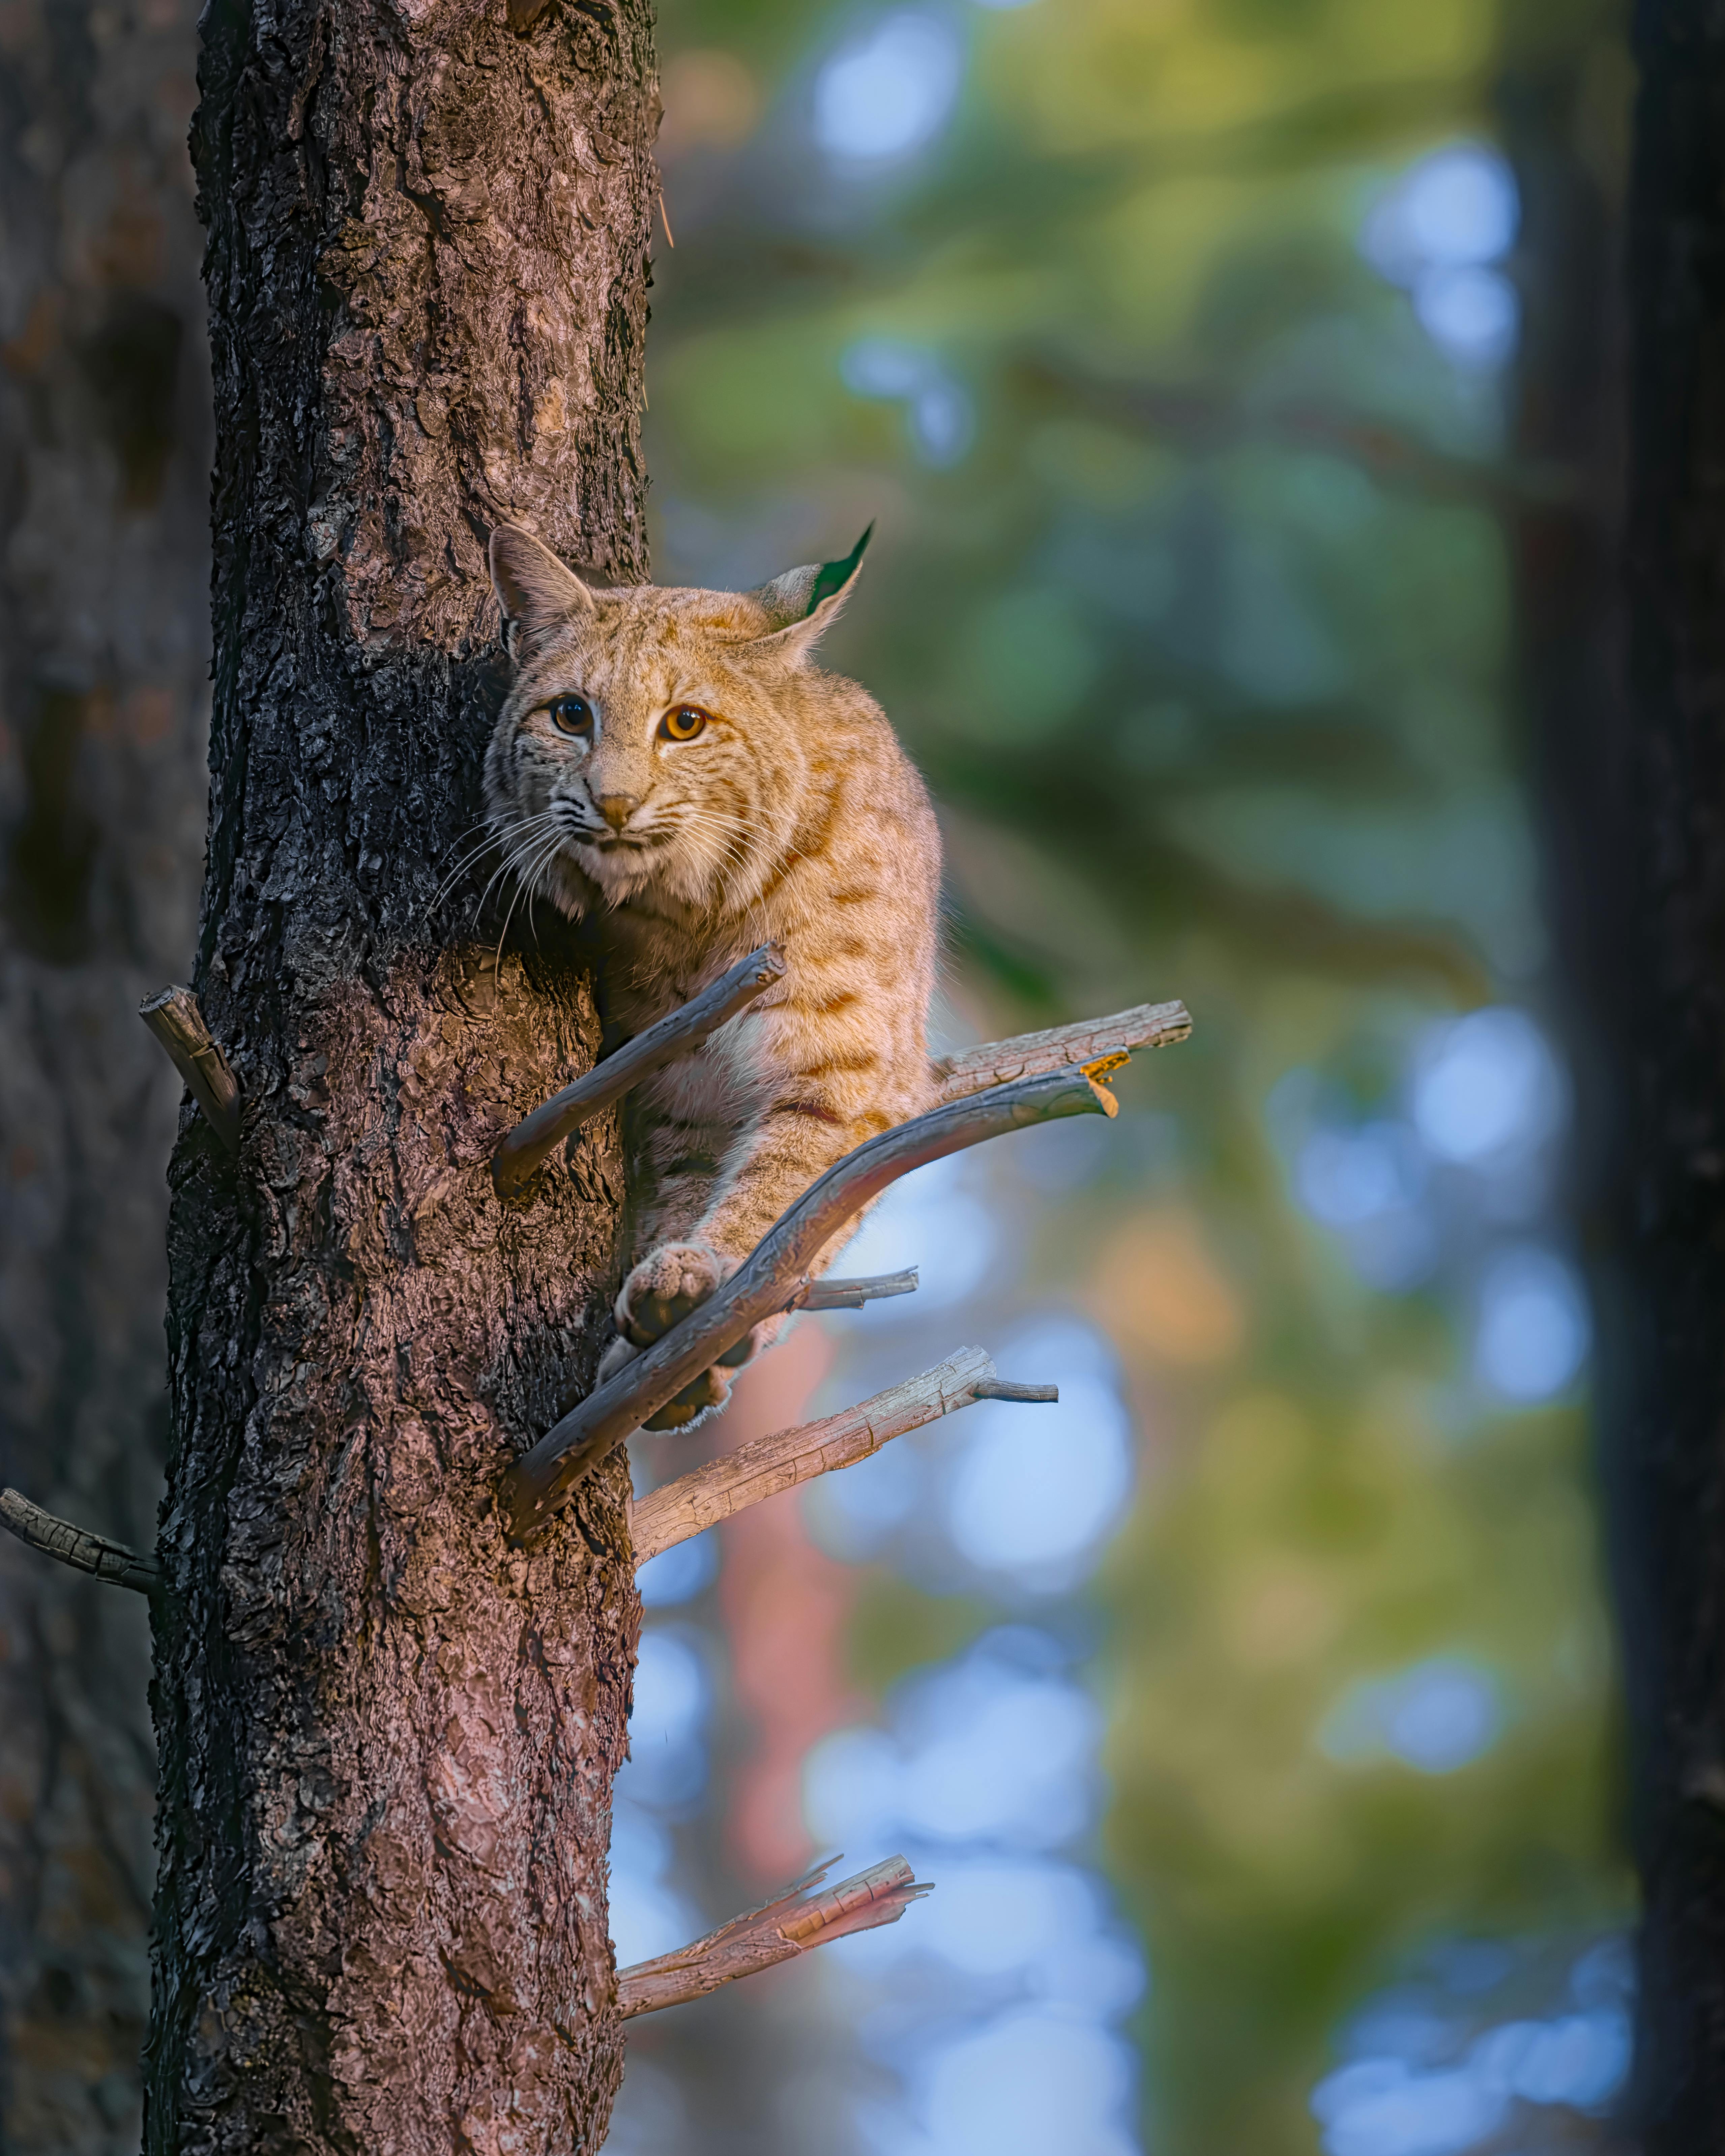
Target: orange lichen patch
1161,1294
1105,1066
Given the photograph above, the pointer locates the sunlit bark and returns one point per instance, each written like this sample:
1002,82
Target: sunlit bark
387,1739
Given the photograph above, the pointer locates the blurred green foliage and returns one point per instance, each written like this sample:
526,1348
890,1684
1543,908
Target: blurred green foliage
1192,595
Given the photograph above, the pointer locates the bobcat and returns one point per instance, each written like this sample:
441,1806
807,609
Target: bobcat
672,765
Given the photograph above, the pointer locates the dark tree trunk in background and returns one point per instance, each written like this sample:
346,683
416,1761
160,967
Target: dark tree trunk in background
104,659
1666,1312
387,1739
1633,762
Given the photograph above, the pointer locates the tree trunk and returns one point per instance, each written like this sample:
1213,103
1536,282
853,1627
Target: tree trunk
1634,772
387,1738
104,572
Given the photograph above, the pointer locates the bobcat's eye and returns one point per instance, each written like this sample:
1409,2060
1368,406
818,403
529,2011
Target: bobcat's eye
683,724
571,715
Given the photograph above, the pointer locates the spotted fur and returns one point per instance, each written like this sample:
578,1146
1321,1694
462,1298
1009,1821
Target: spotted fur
791,815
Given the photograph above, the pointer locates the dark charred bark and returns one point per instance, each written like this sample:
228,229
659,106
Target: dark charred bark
104,655
388,1740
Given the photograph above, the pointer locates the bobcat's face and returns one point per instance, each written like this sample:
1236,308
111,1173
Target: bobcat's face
638,747
643,744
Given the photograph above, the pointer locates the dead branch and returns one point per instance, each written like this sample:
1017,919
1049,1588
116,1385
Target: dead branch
788,1925
773,1277
1093,1041
114,1562
768,1465
522,1154
173,1017
853,1294
1001,1389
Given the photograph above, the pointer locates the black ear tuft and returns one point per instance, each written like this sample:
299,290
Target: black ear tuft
834,576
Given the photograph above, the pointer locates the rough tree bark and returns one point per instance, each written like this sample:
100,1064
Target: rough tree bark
387,1739
103,657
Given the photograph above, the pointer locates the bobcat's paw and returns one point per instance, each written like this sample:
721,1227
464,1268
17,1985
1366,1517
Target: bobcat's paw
701,1397
665,1287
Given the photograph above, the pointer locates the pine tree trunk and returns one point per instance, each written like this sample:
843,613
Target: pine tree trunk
104,663
387,1739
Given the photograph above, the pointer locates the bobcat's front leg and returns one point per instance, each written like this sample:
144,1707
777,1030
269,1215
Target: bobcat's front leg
777,1165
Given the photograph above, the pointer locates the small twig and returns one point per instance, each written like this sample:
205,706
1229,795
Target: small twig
788,1925
768,1465
177,1022
1093,1041
521,1154
773,1277
1000,1388
114,1562
853,1294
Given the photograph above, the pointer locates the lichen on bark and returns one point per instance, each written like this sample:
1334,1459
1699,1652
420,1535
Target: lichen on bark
387,1739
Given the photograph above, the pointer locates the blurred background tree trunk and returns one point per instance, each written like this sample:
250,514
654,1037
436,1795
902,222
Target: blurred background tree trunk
1663,1359
104,438
1622,596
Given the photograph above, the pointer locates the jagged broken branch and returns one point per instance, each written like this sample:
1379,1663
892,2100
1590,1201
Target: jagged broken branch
768,1465
173,1017
1093,1041
84,1551
775,1277
853,1294
532,1142
788,1925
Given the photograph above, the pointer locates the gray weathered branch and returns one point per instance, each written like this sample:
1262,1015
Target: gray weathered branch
114,1562
788,1925
1090,1041
768,1465
525,1150
773,1277
1002,1388
853,1294
173,1017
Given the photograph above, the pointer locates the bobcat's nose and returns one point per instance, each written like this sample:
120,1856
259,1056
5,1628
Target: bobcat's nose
617,809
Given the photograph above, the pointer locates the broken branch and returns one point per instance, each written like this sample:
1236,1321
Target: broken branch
1090,1041
524,1152
1001,1389
788,1925
173,1017
853,1294
111,1561
768,1465
773,1277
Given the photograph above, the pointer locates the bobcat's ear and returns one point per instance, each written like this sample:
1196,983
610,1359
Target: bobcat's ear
534,589
803,602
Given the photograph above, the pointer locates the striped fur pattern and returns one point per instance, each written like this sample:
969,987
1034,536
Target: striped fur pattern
672,765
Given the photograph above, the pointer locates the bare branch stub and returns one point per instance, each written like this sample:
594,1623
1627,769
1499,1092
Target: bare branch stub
532,1141
173,1017
788,1925
114,1562
1091,1042
773,1278
852,1294
1002,1388
761,1469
